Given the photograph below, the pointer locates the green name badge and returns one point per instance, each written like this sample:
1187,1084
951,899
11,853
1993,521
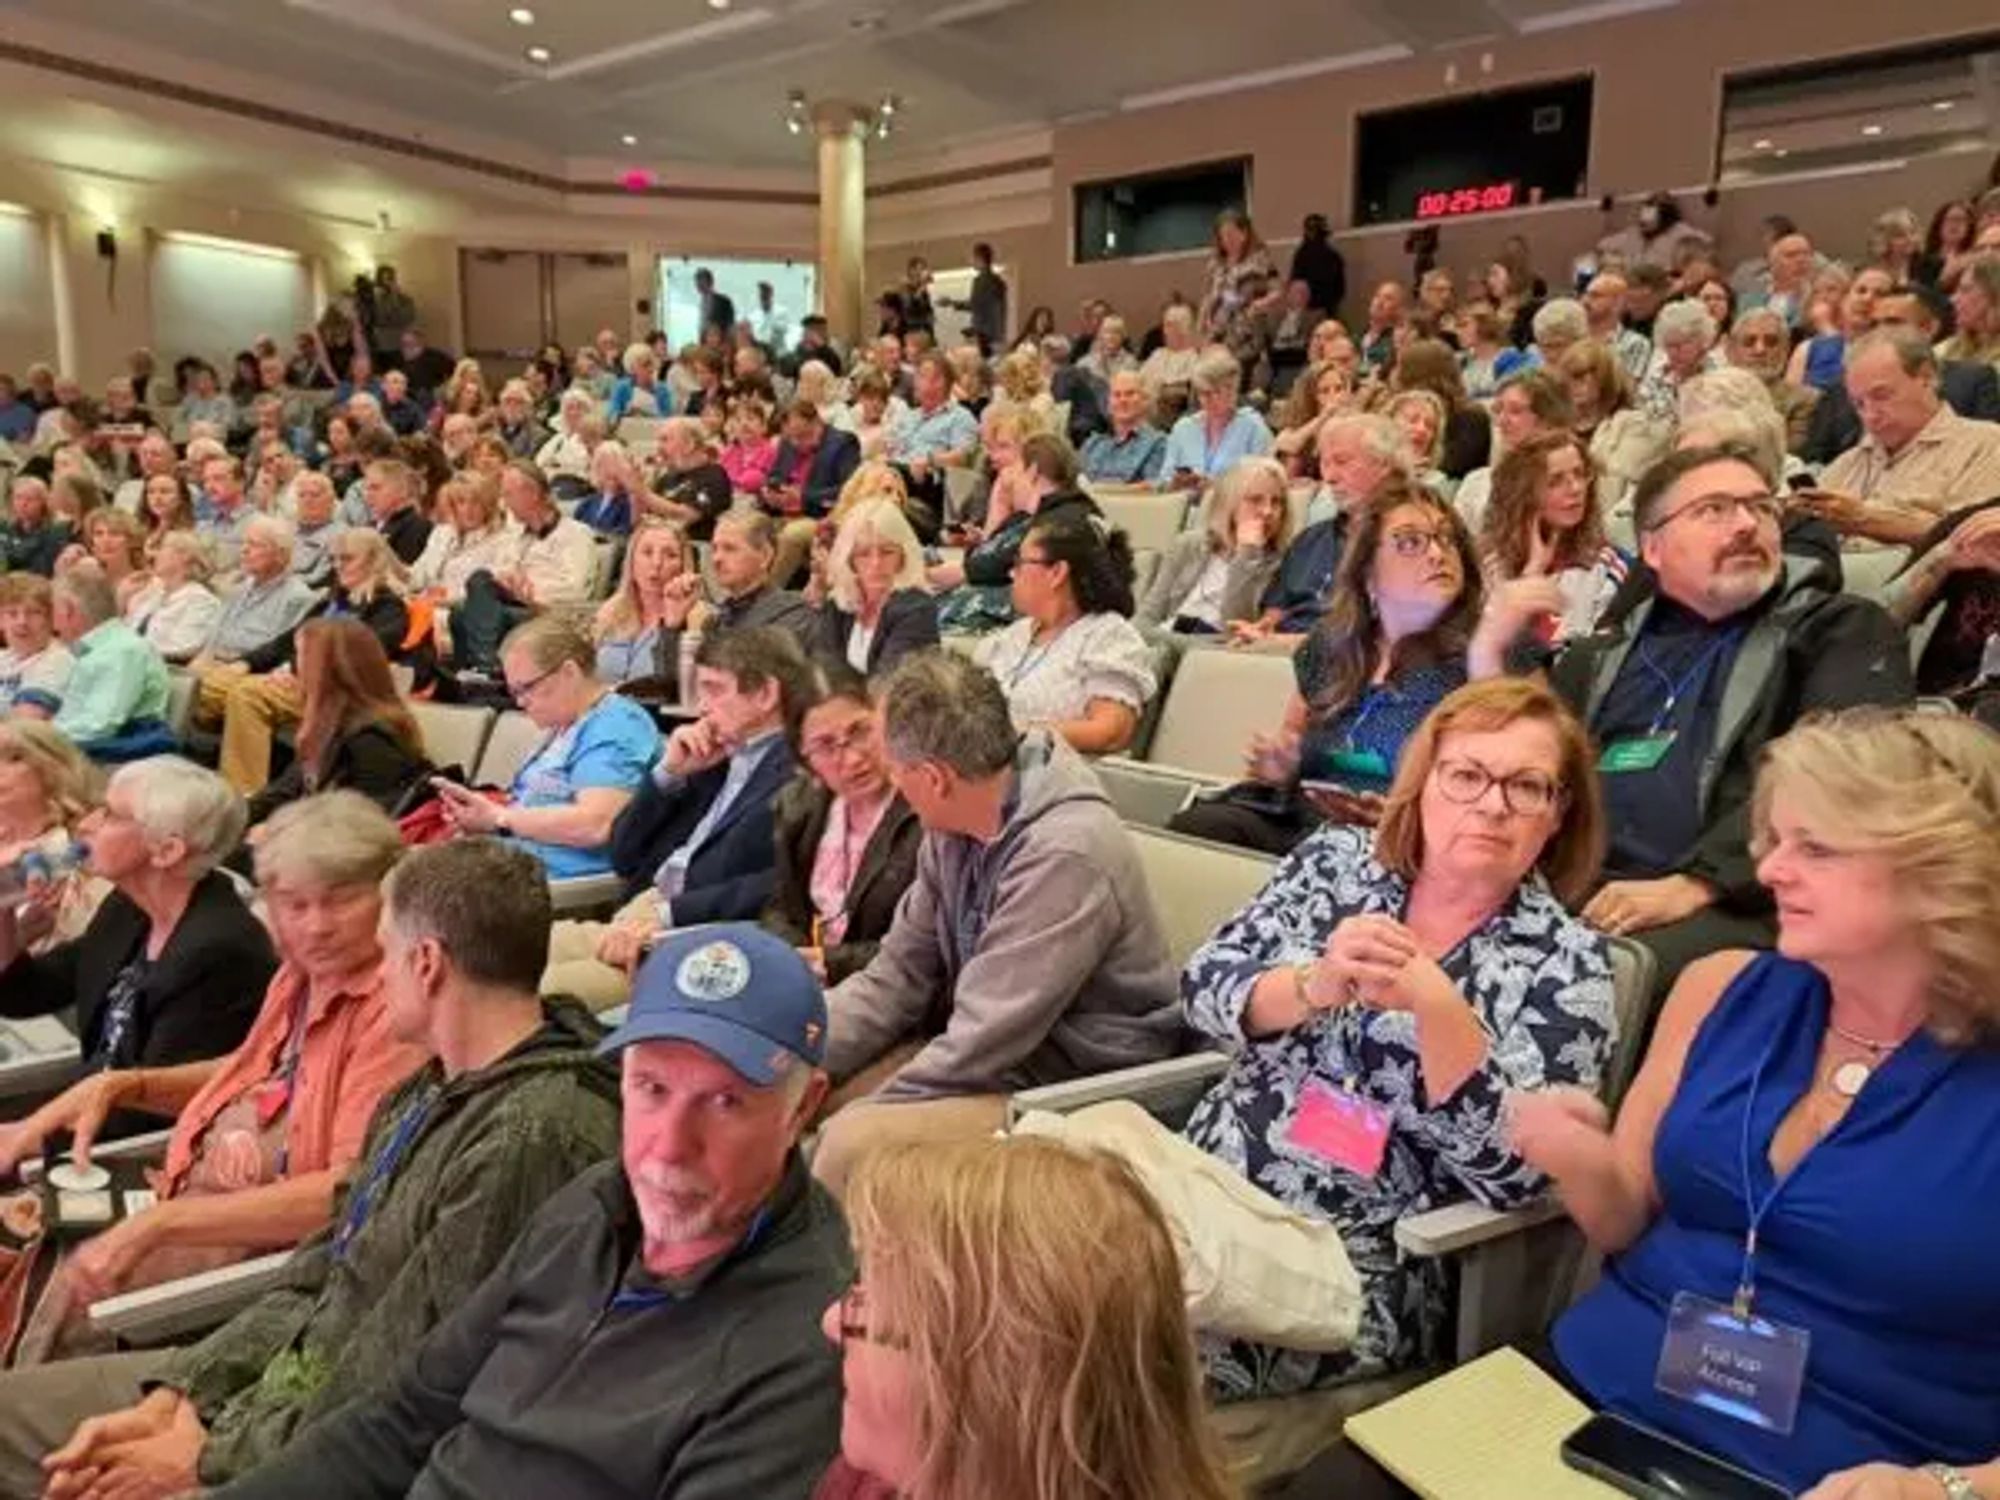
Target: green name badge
1641,753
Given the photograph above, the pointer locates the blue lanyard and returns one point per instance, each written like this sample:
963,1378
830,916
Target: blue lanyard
1031,661
361,1202
1371,701
1675,689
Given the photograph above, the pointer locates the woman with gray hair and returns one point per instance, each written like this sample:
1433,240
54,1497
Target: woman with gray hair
1218,432
263,1135
1683,347
567,452
170,968
176,610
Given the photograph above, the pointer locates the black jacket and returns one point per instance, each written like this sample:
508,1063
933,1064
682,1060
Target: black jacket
908,623
729,878
1970,387
1322,268
549,1383
368,759
991,563
706,488
1807,648
195,1002
387,616
833,464
888,868
406,532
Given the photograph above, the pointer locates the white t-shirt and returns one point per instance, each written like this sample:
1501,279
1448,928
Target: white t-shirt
44,675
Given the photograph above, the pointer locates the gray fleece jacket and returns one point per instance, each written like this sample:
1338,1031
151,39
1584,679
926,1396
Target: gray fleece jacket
1040,950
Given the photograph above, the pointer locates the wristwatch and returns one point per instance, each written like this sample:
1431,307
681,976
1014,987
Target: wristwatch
500,821
1956,1485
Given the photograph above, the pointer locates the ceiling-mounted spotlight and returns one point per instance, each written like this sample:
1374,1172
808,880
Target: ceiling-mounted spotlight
797,116
887,106
539,54
718,4
885,116
520,15
628,140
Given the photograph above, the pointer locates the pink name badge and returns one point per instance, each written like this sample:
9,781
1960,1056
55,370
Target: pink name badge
1338,1129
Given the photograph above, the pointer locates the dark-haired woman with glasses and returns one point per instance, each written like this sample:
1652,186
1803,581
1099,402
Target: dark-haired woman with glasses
1384,993
1388,649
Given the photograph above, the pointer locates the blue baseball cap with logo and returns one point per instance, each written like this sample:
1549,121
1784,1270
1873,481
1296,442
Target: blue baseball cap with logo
733,989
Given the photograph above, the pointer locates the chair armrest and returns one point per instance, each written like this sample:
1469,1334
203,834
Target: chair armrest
41,1057
1154,1086
586,892
149,1147
1462,1226
174,1309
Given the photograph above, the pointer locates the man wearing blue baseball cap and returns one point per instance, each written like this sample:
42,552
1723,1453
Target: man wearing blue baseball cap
655,1329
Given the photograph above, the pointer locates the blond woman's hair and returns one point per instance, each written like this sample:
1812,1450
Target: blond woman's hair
71,785
883,521
1921,791
871,481
1039,1373
1237,481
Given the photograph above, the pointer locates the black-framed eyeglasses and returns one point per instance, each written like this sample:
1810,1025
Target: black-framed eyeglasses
823,746
1718,510
854,1324
519,691
1025,561
1524,793
1411,541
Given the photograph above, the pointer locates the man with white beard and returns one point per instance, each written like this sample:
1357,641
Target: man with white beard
1736,643
655,1331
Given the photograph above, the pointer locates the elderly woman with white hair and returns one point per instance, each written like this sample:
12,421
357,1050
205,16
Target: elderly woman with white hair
1218,432
262,1136
567,452
641,393
1683,347
517,427
876,610
1559,325
1169,370
170,967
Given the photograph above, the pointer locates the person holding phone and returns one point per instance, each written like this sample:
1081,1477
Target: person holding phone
1390,647
1805,1176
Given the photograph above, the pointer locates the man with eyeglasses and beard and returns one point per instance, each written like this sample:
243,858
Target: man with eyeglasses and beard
1737,642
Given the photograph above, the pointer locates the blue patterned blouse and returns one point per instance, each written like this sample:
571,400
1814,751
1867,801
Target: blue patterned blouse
1540,981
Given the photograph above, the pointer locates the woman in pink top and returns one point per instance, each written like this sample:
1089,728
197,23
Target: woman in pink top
751,451
261,1136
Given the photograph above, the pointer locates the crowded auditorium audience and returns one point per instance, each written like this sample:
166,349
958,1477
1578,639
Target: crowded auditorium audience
1561,830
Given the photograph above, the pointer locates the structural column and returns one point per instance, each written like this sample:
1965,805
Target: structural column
842,129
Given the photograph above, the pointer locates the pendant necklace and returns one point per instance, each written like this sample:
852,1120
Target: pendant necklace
1848,1079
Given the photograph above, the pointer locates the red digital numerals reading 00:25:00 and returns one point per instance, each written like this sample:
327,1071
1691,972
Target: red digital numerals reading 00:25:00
1451,202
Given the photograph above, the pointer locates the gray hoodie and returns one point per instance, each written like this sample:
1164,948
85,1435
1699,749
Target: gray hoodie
1040,949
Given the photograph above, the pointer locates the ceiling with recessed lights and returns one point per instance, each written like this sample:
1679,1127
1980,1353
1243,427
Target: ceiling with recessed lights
709,80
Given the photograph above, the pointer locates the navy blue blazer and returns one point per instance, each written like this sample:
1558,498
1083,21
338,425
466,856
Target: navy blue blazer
834,462
732,875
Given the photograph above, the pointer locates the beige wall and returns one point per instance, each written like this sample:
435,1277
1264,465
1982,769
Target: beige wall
1654,122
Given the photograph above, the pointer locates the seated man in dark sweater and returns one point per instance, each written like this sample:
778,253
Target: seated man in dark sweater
697,843
742,557
1738,642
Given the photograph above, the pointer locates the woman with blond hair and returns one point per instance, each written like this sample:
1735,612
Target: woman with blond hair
47,789
983,1358
1023,386
637,630
176,611
470,534
1216,573
1420,417
875,610
1810,1145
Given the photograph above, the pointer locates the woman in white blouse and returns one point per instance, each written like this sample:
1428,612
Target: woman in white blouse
1073,660
568,452
472,533
177,610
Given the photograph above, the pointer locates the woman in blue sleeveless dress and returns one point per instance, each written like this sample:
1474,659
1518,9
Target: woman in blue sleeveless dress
1802,1193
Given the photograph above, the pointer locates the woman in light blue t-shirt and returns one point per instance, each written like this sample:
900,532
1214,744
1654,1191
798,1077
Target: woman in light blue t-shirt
563,801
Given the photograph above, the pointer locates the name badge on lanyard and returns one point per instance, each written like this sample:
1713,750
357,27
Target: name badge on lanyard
1723,1357
1338,1128
1640,753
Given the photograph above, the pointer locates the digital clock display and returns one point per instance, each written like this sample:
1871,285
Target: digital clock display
1450,203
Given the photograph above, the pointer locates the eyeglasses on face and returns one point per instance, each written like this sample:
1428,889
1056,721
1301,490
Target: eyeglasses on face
520,692
826,746
1025,561
1415,541
854,1324
1524,793
1719,510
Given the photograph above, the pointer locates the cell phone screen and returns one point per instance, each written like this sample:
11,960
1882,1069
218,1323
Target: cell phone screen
1642,1462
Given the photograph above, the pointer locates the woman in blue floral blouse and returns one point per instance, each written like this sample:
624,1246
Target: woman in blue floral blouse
1387,990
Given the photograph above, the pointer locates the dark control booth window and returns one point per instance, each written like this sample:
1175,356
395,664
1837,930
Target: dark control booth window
1160,213
1473,155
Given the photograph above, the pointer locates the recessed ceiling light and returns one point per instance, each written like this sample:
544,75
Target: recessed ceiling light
718,4
1944,104
1871,129
1762,143
539,54
520,15
628,140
